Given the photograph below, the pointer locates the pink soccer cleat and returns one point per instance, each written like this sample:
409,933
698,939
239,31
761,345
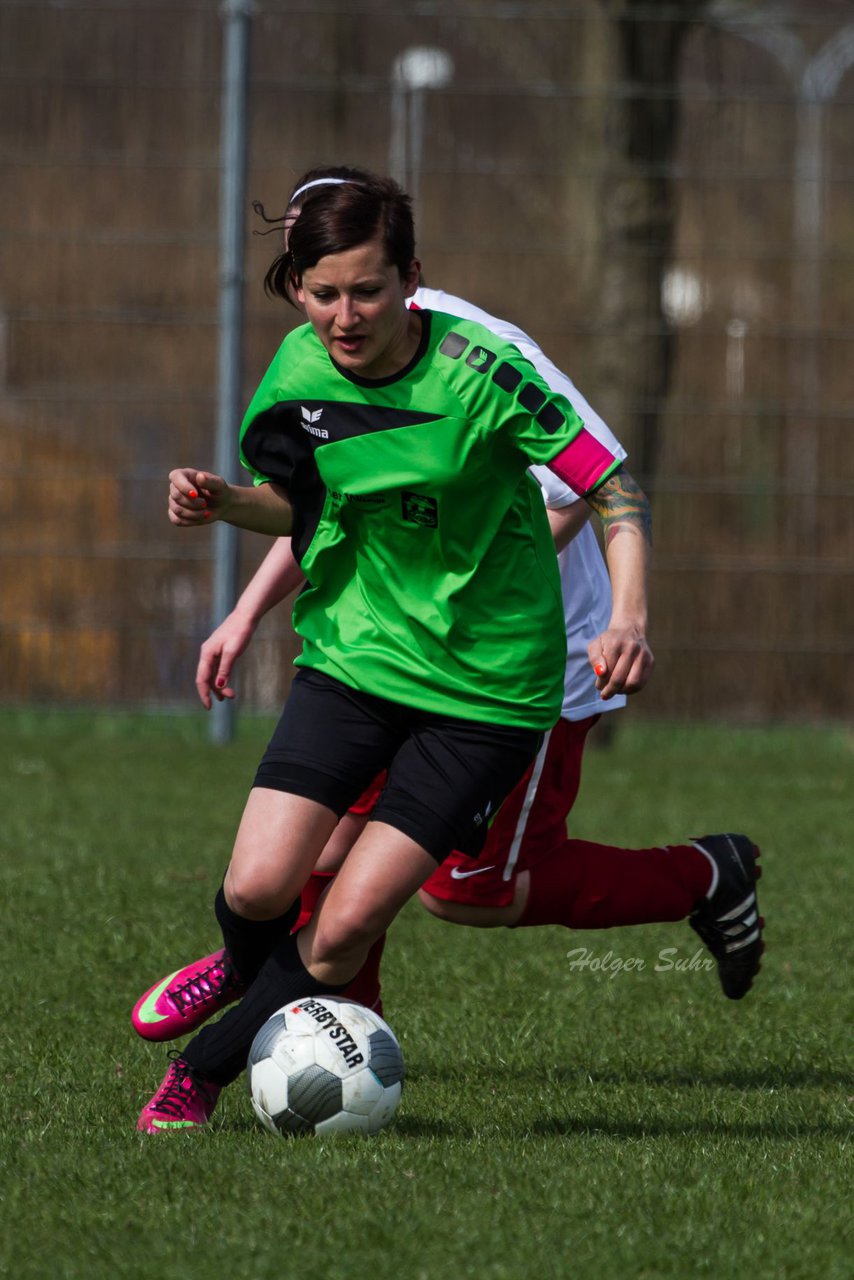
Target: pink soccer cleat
185,999
183,1101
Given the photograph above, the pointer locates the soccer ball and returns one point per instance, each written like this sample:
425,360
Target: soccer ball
324,1065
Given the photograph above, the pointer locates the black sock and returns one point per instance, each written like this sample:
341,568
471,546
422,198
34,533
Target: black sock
219,1051
249,942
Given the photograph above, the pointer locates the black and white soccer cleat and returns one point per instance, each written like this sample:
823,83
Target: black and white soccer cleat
728,918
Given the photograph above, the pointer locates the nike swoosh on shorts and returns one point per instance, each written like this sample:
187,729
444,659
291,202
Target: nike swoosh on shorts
456,874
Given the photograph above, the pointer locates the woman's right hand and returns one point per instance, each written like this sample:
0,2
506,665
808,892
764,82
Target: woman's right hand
197,497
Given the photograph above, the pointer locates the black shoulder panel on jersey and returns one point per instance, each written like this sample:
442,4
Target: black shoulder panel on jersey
292,427
276,446
333,420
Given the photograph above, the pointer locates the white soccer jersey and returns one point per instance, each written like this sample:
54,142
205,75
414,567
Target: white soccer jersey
584,575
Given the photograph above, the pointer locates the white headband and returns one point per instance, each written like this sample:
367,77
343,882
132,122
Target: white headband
318,182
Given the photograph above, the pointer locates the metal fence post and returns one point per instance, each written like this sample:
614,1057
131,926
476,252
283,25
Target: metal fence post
235,77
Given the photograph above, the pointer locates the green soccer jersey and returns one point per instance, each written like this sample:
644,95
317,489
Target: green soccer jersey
431,575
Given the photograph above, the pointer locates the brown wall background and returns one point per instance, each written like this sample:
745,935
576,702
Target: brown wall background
109,155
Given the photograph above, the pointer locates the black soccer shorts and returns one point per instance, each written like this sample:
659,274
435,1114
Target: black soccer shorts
447,776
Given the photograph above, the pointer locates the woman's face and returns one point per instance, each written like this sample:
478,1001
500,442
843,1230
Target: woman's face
356,304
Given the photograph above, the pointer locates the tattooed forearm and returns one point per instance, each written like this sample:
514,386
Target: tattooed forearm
620,503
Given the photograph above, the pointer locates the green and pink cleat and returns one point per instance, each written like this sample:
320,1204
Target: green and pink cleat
183,1101
183,1000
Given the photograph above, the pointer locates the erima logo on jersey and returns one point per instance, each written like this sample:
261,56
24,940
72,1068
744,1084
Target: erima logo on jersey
308,423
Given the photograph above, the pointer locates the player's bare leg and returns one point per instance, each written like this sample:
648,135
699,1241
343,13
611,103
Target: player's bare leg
278,842
352,915
486,917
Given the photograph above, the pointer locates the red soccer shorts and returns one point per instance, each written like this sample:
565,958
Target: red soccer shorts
530,824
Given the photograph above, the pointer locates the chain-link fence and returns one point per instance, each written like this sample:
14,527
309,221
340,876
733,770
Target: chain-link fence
659,193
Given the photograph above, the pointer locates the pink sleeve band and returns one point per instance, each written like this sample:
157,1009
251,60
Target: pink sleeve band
584,463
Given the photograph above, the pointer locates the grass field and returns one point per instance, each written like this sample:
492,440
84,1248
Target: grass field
556,1122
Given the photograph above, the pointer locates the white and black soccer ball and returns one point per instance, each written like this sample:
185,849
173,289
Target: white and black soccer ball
325,1065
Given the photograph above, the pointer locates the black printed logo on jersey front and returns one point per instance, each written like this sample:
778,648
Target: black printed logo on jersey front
419,509
361,501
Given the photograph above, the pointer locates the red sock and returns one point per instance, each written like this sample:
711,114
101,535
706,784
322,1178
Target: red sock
597,886
310,896
365,987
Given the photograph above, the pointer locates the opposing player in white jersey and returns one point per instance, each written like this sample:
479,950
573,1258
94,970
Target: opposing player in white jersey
529,872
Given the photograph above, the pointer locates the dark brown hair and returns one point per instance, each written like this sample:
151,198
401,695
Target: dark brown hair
336,217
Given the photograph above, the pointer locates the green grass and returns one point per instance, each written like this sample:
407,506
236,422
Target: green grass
555,1123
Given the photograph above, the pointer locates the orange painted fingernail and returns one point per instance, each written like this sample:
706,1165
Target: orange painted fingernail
193,493
600,668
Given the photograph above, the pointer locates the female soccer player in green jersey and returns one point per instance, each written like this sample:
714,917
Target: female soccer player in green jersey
393,446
